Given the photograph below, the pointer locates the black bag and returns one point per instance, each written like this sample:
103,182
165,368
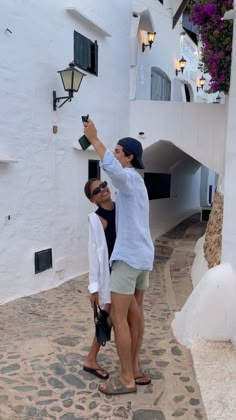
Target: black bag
103,325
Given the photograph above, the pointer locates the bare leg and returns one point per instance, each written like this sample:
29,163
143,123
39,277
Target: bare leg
139,299
91,361
119,313
135,326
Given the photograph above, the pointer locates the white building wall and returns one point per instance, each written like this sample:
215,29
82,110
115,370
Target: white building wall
183,202
229,220
43,193
208,179
42,204
197,129
169,46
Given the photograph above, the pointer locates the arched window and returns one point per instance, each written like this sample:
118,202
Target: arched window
160,85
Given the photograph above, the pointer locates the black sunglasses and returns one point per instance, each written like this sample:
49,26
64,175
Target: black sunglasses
97,190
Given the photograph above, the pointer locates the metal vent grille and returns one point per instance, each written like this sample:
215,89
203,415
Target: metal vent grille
42,260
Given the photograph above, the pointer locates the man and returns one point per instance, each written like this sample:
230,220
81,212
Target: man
133,253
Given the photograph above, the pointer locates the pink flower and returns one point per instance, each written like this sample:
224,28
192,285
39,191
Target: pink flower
216,38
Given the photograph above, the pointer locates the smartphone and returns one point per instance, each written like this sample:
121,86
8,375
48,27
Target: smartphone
83,141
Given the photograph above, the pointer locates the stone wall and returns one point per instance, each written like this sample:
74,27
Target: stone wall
213,237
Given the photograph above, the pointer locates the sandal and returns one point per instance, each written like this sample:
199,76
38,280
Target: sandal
115,387
99,372
142,379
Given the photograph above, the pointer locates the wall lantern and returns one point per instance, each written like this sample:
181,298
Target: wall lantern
71,79
182,64
151,37
218,99
201,83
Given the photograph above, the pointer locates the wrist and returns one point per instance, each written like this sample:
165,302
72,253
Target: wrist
94,140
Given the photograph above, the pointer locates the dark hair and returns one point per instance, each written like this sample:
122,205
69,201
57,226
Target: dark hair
133,161
87,187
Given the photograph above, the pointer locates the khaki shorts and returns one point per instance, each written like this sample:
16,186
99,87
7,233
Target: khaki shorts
125,279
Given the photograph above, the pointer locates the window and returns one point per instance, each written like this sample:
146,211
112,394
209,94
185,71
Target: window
158,185
94,169
85,53
160,85
187,93
191,29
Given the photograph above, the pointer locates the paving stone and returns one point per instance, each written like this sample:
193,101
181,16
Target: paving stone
121,412
67,395
179,412
25,388
19,409
162,363
178,398
184,379
46,402
56,383
67,403
74,381
148,415
31,411
37,367
194,401
57,368
92,405
47,380
10,368
159,352
190,388
176,351
67,341
45,393
197,414
154,374
70,416
56,409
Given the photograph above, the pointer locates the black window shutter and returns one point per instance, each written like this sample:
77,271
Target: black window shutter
85,53
96,57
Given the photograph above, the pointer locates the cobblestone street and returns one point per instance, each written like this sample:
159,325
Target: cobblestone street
45,339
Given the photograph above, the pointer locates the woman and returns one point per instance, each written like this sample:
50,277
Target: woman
102,236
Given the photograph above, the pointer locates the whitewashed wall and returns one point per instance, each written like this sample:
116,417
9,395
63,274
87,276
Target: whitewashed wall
229,221
43,192
42,204
197,129
169,46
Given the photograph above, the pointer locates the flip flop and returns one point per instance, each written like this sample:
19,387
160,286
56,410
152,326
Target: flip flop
96,372
142,379
115,387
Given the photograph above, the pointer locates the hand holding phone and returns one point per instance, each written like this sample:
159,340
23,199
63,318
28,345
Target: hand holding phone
83,141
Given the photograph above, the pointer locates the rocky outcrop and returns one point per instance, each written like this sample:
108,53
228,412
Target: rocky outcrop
213,237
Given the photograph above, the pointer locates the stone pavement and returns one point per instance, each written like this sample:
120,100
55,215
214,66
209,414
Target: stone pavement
45,339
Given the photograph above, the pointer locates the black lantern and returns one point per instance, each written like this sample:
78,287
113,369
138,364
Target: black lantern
182,64
71,79
201,83
151,37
